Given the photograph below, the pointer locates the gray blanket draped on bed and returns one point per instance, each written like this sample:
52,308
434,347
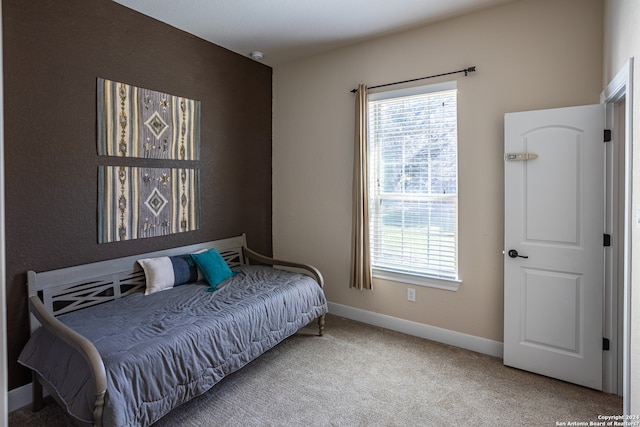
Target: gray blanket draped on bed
163,349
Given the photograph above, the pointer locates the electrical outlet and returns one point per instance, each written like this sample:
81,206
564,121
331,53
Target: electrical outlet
411,294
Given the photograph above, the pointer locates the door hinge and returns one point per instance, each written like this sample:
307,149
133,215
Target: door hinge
607,240
607,135
605,344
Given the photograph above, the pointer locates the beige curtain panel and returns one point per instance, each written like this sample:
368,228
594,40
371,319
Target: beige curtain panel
360,256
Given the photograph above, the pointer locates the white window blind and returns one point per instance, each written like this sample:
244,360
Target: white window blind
413,199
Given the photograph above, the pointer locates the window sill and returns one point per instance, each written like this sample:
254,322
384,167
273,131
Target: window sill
430,282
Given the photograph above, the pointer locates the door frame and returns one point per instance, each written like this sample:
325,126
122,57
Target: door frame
618,95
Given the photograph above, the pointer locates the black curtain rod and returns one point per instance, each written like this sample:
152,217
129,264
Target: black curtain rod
466,72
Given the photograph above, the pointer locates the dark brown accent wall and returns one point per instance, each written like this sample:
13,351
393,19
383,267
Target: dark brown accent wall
53,53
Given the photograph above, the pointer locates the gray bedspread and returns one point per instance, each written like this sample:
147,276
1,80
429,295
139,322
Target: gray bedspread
163,349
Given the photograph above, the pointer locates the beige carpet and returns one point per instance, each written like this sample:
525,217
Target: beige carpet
359,375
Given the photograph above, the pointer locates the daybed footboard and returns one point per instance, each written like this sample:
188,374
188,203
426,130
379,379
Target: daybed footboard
308,269
83,346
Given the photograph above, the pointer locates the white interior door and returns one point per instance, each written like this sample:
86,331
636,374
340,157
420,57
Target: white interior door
554,220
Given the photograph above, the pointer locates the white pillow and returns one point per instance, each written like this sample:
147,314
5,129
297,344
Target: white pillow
159,274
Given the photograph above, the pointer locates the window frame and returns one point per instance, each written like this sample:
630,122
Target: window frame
433,281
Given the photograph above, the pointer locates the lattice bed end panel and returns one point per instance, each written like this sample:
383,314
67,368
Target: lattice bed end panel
234,257
75,296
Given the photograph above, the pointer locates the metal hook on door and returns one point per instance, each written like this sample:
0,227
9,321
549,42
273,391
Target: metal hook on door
510,157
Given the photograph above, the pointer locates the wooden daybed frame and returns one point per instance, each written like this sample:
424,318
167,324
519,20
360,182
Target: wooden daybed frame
57,292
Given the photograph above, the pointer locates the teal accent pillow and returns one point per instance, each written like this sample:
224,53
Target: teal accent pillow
213,267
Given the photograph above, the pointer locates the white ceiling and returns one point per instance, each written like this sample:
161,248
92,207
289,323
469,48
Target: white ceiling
286,30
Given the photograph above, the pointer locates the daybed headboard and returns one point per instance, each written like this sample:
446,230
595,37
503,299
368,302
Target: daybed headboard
73,288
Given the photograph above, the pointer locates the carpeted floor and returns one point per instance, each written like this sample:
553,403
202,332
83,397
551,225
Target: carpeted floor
359,375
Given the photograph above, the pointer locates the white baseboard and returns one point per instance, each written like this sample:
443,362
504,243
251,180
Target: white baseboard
19,397
445,336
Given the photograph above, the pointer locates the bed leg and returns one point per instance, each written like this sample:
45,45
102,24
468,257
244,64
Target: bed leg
98,410
321,325
36,393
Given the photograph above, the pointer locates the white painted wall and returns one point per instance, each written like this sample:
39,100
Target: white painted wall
621,42
530,54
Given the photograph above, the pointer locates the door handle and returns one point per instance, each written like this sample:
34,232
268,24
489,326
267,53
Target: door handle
514,254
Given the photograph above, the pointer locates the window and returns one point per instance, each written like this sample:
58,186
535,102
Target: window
413,187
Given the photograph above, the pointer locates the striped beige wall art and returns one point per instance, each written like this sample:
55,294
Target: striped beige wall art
139,202
137,122
149,187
